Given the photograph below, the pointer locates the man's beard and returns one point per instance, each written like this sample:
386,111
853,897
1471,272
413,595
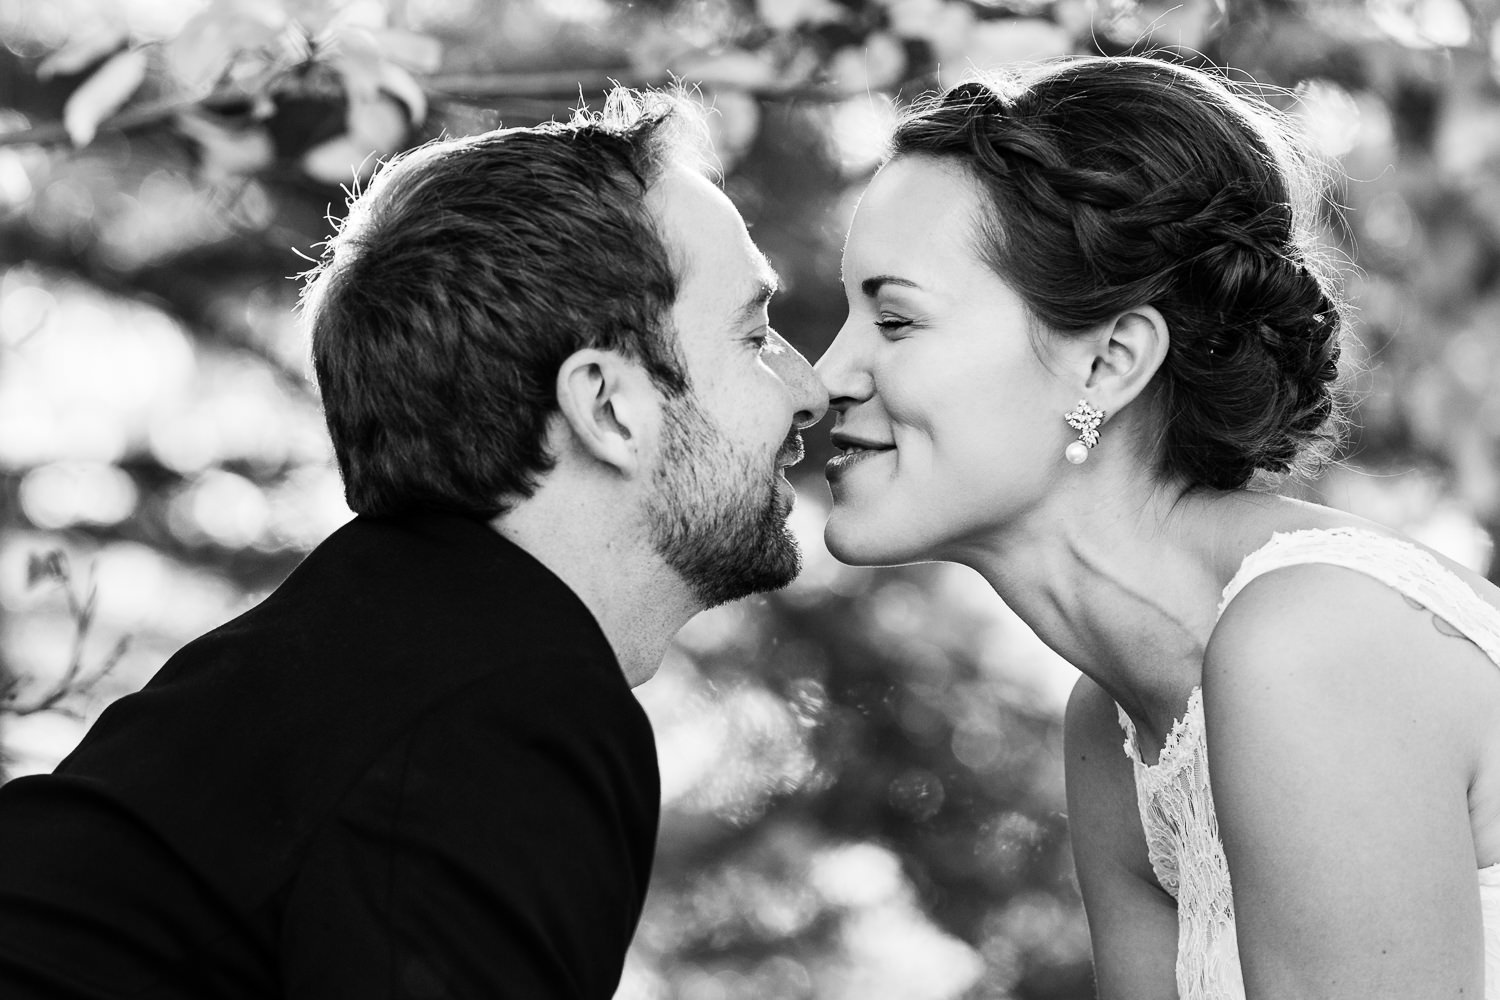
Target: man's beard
713,515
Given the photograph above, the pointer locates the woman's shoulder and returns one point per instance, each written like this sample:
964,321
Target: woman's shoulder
1094,741
1365,627
1092,715
1104,817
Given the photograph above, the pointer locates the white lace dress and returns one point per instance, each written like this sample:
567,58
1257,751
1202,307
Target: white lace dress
1177,810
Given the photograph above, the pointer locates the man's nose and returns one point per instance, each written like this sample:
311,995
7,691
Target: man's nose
807,392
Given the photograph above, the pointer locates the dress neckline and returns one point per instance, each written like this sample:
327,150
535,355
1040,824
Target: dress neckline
1186,733
1248,569
1186,730
1181,739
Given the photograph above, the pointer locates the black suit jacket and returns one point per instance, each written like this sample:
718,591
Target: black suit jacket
414,771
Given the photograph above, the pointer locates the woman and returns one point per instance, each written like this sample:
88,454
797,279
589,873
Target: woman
1084,314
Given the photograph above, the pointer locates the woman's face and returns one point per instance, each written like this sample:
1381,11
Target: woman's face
949,423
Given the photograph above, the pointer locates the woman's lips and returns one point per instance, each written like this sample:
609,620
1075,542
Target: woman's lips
851,455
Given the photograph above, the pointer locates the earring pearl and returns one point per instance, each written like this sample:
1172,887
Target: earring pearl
1085,419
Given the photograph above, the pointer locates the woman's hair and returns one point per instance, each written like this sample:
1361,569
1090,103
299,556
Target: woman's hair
1123,182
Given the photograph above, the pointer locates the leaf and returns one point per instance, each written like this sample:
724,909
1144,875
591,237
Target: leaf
371,80
379,123
200,54
402,85
203,52
92,43
339,160
313,15
102,94
359,65
377,126
228,152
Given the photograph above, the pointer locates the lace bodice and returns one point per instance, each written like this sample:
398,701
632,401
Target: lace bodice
1177,810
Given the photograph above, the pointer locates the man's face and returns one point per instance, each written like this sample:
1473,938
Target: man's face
719,501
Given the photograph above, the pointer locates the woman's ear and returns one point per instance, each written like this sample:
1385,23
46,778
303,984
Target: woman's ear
609,404
1128,351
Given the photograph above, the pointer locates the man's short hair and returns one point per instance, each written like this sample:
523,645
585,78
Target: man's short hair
464,275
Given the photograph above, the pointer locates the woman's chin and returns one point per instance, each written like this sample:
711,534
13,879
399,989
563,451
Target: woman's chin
854,545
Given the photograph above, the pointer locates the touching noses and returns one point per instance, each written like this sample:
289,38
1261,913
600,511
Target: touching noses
807,392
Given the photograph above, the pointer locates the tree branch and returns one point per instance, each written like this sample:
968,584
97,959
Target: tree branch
75,680
560,85
150,113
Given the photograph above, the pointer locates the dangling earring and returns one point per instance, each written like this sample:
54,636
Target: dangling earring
1085,420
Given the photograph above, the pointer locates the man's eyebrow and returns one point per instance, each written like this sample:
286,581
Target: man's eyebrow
871,286
766,286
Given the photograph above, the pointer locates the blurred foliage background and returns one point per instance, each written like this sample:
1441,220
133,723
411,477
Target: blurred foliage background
862,775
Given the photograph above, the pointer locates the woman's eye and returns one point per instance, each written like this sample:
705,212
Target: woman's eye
890,324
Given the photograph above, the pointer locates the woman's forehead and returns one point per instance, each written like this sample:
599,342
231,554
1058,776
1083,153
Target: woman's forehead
919,213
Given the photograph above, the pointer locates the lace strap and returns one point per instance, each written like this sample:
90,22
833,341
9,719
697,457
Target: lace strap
1400,565
1128,726
1183,739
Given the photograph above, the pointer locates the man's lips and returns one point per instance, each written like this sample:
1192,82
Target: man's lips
791,452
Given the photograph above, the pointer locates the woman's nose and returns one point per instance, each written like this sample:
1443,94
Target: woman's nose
845,380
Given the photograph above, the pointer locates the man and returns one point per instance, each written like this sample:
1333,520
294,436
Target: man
417,770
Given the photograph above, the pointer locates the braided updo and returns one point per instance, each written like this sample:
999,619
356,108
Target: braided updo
1118,182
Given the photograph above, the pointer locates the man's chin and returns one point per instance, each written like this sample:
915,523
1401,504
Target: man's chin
783,495
776,564
729,550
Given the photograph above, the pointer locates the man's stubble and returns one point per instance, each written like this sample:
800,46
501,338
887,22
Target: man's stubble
713,513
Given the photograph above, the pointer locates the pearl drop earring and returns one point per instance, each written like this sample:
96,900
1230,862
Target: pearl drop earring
1084,419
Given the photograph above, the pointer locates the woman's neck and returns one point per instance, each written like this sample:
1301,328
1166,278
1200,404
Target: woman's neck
1125,586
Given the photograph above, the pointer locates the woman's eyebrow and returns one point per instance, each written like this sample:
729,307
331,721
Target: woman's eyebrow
872,286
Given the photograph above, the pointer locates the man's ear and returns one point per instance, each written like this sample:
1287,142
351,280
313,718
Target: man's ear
609,404
1127,352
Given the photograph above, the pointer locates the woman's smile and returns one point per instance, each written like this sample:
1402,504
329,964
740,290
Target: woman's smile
852,451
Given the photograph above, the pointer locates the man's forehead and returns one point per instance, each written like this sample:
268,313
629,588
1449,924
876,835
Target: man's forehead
708,240
740,273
